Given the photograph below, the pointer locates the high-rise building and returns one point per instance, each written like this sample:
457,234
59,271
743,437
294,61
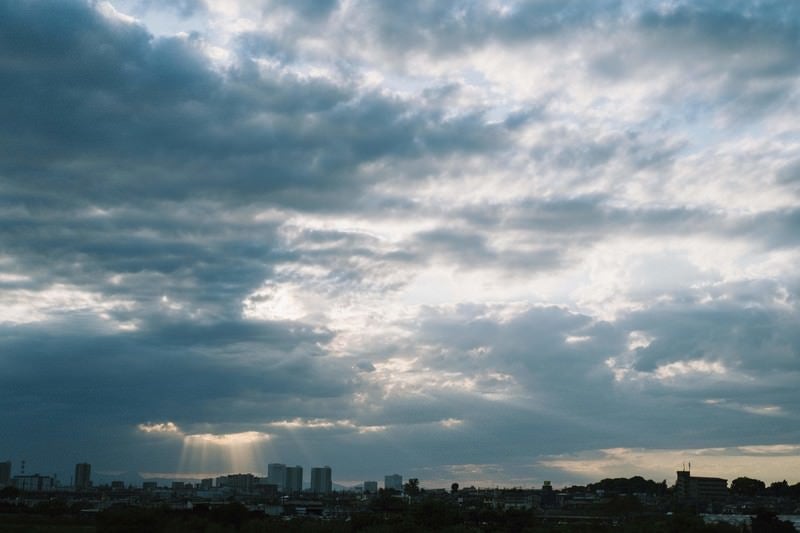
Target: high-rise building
321,480
294,479
393,482
370,487
83,476
276,475
5,474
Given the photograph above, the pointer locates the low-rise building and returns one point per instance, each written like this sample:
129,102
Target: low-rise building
694,488
33,483
238,482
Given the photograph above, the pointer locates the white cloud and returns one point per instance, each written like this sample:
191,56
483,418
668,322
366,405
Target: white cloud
160,427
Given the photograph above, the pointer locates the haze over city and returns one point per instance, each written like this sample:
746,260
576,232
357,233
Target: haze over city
492,243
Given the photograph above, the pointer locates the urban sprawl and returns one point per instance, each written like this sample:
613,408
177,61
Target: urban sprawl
283,496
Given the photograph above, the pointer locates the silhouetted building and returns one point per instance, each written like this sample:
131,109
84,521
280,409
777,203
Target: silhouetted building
294,479
207,484
117,485
321,480
33,483
83,476
370,487
393,482
548,496
688,487
5,474
239,482
276,475
265,488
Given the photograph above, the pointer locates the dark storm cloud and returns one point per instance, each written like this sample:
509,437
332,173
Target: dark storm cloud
751,333
101,109
548,235
181,252
746,349
471,248
187,362
532,346
466,246
727,29
535,384
127,154
776,229
559,228
585,219
560,360
80,385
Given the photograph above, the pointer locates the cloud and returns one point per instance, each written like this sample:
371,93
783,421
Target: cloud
318,232
159,427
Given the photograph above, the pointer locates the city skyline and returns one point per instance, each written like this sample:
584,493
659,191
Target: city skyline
285,478
492,243
319,479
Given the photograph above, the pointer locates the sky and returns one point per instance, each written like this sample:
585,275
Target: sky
487,242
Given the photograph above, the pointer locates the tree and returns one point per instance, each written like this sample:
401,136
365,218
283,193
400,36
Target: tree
9,492
768,522
636,484
779,488
454,488
745,486
435,514
412,487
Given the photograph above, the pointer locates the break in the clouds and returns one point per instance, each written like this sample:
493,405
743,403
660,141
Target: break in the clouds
486,242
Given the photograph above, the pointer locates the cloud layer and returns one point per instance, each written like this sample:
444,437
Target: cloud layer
483,242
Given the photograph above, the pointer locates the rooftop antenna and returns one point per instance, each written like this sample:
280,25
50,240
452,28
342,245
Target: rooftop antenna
22,468
690,466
